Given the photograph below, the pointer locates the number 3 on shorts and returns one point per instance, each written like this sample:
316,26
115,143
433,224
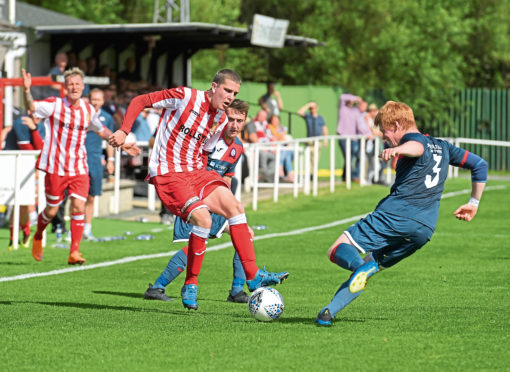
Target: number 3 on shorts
429,181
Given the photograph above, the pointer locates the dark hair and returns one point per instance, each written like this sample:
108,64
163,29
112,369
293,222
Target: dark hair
240,105
225,74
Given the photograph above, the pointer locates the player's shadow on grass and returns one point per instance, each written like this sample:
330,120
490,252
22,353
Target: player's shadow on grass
13,263
122,294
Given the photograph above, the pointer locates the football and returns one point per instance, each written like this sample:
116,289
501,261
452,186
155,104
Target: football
266,304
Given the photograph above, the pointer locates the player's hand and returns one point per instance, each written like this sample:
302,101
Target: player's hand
117,139
389,153
466,212
131,149
27,79
29,122
110,167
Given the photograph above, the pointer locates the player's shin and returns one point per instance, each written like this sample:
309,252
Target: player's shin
196,250
175,266
77,225
243,244
239,276
42,222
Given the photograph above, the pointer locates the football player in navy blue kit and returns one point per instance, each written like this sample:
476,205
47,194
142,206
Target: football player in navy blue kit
404,220
223,159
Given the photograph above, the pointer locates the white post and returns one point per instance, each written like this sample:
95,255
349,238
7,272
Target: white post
238,175
332,165
15,222
307,171
255,177
276,179
362,161
375,159
296,167
151,197
116,185
315,166
348,162
41,199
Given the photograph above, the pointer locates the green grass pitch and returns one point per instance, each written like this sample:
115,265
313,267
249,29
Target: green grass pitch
447,307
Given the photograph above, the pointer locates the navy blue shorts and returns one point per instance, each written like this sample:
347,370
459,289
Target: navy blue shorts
390,238
182,230
96,177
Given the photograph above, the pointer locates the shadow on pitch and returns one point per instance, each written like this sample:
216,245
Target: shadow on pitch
89,306
122,294
8,263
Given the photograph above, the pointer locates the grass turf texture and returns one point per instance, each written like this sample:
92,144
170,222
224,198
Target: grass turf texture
444,308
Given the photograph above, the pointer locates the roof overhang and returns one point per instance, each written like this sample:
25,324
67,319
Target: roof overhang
194,35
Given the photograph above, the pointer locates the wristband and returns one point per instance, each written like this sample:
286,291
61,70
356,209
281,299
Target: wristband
111,159
474,202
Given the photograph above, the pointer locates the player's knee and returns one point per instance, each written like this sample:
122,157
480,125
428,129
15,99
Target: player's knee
200,217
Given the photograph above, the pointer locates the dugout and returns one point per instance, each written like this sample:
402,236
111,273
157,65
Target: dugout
163,50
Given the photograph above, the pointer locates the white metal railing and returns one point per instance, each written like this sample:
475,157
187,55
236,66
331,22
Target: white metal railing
305,172
302,165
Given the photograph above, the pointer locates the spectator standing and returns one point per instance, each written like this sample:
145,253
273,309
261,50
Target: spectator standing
371,150
258,131
351,122
94,146
279,133
141,127
271,102
315,126
111,106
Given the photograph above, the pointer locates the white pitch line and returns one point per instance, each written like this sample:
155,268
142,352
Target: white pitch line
211,248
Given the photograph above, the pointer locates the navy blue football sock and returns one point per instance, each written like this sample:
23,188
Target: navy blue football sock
347,257
239,276
342,298
175,266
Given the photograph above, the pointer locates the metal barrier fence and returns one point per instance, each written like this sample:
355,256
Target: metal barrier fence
306,177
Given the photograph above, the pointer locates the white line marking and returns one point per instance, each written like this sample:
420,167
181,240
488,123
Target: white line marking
211,248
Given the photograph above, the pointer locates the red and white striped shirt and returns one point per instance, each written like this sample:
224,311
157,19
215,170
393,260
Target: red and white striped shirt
188,126
66,127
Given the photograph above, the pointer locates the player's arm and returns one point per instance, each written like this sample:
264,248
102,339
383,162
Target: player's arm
37,142
162,99
110,159
134,109
27,83
478,168
411,149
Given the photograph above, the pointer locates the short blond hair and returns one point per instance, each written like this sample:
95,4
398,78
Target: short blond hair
392,112
72,72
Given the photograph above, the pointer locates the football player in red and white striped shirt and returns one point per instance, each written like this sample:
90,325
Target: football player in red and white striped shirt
64,157
192,121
